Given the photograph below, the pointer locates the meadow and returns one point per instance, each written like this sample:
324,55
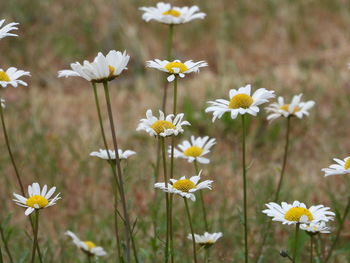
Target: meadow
289,47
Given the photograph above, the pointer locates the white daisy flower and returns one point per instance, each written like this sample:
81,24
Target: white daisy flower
37,199
342,167
185,187
4,31
10,77
123,155
162,126
87,246
103,68
206,240
167,14
176,67
298,213
296,108
241,102
3,105
316,228
195,149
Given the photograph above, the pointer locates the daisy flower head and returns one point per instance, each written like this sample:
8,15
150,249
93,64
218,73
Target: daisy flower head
11,77
185,187
162,126
38,199
206,240
241,102
3,105
172,15
5,30
103,68
340,167
316,228
195,149
176,67
88,247
296,108
123,155
298,213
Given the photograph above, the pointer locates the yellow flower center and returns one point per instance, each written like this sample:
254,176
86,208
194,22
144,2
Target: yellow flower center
172,12
193,151
347,164
160,126
4,76
295,213
286,106
111,70
240,101
90,244
37,201
181,66
184,185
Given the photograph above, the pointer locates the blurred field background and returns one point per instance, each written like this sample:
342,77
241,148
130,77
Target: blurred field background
289,46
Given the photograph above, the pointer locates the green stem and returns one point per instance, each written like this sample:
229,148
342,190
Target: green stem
278,189
3,238
15,168
202,200
166,200
35,241
1,259
296,242
244,191
169,57
207,255
311,248
128,231
116,185
172,176
192,232
89,258
284,164
338,232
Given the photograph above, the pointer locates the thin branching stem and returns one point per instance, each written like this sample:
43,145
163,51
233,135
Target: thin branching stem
338,232
162,139
18,177
278,189
128,232
116,184
4,240
245,223
297,226
35,240
192,231
311,248
202,199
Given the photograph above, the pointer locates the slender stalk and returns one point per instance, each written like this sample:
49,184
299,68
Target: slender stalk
192,232
296,242
18,177
169,57
116,185
278,189
207,255
202,200
317,248
311,248
128,231
35,241
284,163
338,232
244,191
166,200
172,176
3,238
89,258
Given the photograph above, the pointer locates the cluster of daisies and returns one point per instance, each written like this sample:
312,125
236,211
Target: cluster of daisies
241,101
